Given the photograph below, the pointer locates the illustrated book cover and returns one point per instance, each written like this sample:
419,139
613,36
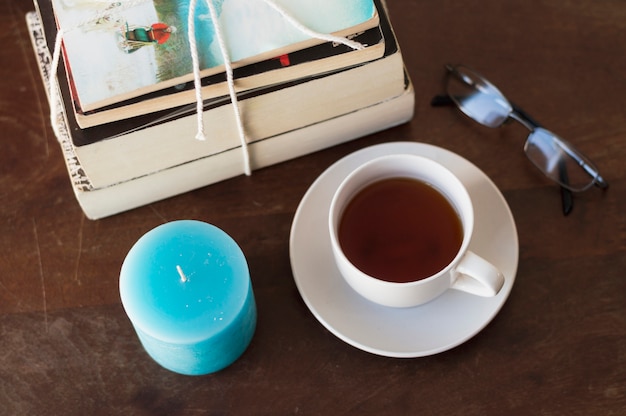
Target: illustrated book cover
135,47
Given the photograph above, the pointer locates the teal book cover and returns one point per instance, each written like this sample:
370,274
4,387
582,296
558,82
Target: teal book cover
119,50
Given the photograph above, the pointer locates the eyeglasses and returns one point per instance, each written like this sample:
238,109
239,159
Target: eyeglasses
557,159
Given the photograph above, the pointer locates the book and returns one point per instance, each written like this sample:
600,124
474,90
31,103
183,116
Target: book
143,46
122,155
197,170
102,202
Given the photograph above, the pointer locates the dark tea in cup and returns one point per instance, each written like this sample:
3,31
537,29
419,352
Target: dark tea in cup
400,230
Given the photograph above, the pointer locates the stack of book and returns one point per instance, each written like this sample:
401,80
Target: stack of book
127,116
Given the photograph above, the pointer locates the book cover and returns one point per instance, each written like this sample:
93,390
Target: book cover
317,59
119,50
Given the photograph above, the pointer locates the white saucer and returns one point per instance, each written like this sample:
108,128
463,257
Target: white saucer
442,324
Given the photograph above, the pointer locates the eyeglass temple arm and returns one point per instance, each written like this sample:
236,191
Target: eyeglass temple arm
441,101
567,199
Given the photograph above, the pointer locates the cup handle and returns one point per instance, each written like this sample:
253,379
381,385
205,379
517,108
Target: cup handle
477,276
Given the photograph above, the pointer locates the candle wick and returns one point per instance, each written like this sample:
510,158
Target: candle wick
183,278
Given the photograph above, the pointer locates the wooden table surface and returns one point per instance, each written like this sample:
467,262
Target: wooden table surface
557,347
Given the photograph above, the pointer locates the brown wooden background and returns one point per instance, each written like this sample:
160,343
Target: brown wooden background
558,346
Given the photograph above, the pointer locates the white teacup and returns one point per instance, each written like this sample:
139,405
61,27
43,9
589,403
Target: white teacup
463,270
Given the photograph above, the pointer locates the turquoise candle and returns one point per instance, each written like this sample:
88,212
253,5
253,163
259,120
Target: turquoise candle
186,288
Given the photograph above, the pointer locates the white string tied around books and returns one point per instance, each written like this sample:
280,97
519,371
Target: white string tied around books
195,62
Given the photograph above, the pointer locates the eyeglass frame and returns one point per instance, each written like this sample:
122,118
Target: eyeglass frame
519,115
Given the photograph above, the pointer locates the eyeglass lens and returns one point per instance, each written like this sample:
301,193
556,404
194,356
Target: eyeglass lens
477,97
558,160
